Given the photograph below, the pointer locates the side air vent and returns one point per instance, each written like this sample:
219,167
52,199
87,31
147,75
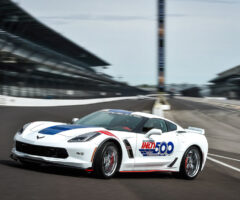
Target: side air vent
171,165
129,148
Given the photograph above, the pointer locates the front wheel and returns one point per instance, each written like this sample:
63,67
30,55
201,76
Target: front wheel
107,160
191,163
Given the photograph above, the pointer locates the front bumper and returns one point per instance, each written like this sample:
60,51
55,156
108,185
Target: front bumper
68,162
79,156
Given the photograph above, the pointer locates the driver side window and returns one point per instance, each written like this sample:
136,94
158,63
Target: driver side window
154,123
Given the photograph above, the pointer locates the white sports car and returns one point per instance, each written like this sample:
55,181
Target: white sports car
110,141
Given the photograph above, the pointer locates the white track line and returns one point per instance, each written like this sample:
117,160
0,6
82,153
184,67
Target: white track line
224,164
234,159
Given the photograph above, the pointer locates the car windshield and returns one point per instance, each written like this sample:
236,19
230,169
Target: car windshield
112,121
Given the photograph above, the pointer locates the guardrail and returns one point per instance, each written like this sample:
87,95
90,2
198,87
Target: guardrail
33,102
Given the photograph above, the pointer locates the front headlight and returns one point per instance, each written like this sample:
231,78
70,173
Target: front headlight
23,128
84,137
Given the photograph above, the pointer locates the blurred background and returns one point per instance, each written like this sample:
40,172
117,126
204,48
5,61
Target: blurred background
101,49
39,62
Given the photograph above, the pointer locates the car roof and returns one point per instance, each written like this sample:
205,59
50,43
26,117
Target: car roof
142,114
147,115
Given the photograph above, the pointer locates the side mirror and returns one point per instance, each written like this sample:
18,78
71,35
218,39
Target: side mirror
153,131
74,120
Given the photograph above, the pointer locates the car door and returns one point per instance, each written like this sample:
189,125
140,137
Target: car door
158,151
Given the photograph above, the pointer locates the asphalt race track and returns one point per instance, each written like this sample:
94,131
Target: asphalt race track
215,182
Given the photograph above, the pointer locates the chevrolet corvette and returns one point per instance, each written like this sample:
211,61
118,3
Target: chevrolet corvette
110,141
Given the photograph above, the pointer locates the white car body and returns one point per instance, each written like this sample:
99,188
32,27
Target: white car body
146,151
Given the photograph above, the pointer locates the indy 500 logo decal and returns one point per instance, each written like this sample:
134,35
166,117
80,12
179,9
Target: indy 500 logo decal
156,149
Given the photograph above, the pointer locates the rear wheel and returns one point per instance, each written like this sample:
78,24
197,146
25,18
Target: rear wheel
107,159
191,163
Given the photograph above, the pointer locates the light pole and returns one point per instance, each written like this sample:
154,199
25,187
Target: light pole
161,45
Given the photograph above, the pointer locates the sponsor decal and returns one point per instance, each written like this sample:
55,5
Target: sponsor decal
151,148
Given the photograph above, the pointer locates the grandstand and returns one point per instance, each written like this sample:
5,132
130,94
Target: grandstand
227,83
38,62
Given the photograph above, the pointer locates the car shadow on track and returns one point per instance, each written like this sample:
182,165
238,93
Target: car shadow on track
73,172
141,175
64,171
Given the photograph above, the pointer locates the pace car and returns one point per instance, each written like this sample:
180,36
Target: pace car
110,141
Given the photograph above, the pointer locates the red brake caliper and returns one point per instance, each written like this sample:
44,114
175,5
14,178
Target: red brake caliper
186,162
112,160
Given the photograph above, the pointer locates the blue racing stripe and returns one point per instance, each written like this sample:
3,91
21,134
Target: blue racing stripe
60,128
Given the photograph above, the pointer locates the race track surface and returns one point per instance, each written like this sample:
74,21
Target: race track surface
215,182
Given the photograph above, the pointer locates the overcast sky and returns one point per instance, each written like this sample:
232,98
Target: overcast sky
202,36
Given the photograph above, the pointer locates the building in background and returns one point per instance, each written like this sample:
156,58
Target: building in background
177,88
227,84
161,44
191,90
36,61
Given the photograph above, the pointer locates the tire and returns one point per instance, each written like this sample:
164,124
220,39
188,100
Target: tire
107,161
191,163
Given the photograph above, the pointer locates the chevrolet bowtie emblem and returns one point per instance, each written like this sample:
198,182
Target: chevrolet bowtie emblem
40,137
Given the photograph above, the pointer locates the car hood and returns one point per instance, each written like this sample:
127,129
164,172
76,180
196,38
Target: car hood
56,131
68,130
57,128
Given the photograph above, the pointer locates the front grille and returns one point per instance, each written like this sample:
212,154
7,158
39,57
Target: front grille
54,152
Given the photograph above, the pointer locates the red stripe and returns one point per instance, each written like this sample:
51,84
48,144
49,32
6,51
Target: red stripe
89,170
148,171
108,133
